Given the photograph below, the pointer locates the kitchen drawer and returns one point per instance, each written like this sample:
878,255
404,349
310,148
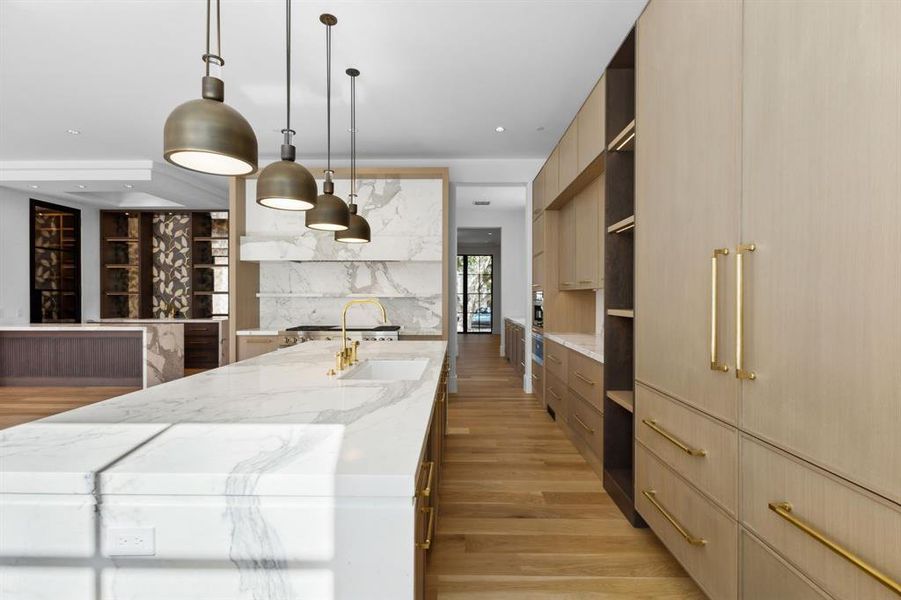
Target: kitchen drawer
538,381
555,394
202,329
707,545
765,576
858,521
201,357
588,425
555,357
699,448
586,378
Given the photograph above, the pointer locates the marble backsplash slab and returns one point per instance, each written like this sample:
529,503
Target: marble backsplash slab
416,316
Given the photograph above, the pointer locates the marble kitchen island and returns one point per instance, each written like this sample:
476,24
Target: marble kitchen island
265,479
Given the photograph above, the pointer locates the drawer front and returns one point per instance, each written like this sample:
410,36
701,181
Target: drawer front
538,381
202,329
586,378
587,423
699,448
555,357
765,576
714,563
860,523
555,394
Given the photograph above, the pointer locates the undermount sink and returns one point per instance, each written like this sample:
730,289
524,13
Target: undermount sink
388,370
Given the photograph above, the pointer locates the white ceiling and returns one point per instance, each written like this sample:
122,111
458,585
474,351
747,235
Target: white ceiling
437,76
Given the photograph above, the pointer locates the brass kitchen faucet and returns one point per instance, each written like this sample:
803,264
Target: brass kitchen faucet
348,356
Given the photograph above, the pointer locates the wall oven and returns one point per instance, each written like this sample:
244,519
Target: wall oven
538,309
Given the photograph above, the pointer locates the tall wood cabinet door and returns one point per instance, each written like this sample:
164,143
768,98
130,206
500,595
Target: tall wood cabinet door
569,159
551,177
589,245
687,194
538,193
822,203
567,249
538,271
538,234
591,125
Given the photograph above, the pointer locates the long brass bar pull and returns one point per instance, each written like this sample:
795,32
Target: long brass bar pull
673,439
427,490
715,365
651,495
740,372
784,510
430,528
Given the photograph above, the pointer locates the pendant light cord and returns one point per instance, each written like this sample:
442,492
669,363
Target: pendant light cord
207,57
328,94
287,131
353,139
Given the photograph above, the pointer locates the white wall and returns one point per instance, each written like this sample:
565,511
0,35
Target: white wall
15,258
514,255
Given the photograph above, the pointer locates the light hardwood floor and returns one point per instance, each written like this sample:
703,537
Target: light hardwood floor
23,404
522,515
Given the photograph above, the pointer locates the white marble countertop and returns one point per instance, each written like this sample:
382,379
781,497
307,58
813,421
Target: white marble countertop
589,344
166,321
257,332
71,327
521,321
274,425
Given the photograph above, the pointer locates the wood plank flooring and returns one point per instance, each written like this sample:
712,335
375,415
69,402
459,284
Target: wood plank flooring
522,516
23,404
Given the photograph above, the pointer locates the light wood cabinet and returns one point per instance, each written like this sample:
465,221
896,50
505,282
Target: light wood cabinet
589,237
538,194
566,252
764,576
687,195
568,166
538,234
590,125
250,346
538,271
822,203
551,177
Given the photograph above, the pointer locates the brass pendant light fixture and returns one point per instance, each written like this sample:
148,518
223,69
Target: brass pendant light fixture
207,135
330,212
357,231
284,184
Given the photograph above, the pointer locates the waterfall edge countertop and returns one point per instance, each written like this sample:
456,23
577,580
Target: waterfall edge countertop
589,344
275,425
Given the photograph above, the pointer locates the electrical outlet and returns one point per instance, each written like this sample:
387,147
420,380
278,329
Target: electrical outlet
128,541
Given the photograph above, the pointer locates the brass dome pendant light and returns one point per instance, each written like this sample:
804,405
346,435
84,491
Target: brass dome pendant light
284,184
357,231
330,212
207,135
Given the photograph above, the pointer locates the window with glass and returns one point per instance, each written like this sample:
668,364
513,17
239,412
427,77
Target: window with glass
475,293
55,263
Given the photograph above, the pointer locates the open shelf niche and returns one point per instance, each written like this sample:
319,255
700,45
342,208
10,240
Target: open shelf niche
619,278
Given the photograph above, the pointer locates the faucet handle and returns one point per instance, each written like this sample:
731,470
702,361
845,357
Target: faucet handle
339,360
353,352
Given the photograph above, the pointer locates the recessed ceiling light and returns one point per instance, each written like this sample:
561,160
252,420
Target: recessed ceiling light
34,187
81,187
73,131
539,128
500,129
128,186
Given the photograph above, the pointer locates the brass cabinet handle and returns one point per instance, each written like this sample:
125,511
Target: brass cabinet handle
715,365
553,358
427,490
740,372
585,281
651,495
568,283
784,510
534,376
582,423
673,439
430,530
553,393
583,378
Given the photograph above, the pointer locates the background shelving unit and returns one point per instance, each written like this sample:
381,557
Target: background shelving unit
209,257
619,278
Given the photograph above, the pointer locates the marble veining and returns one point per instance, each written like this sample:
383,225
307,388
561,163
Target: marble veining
589,344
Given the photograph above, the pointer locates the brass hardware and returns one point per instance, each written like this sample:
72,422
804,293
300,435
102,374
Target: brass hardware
715,365
553,358
330,373
553,393
583,378
740,372
339,361
353,352
534,376
673,439
430,529
584,281
344,320
568,283
694,541
582,423
427,490
784,509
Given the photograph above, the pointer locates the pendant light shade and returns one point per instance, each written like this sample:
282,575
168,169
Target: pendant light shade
207,135
330,212
286,185
357,231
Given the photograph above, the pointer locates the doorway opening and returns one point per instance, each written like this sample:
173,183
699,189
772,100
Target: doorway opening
475,289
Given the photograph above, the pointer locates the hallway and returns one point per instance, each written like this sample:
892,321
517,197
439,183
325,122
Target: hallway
522,515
